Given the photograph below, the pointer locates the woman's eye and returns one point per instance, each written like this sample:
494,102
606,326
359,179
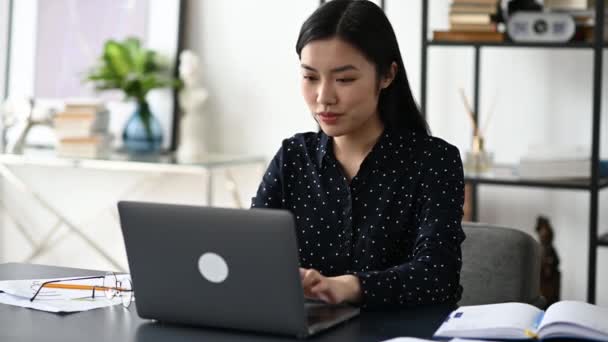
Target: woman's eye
345,80
309,78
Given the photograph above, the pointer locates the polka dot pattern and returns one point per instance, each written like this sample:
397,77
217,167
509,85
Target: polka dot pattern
395,225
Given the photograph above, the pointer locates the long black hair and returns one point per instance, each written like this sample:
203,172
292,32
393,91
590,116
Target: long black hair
365,26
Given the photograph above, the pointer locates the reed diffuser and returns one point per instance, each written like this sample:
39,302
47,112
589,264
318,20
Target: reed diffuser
477,159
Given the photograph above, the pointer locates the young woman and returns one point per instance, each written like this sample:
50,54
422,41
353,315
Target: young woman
377,200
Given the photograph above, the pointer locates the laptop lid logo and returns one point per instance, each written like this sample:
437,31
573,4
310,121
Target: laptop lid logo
213,267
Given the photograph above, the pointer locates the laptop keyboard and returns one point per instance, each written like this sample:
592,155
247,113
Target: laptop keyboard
323,312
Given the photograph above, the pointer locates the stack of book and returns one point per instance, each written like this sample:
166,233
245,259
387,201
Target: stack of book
82,130
564,162
471,21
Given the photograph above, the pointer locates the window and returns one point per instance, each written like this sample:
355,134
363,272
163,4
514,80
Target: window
55,42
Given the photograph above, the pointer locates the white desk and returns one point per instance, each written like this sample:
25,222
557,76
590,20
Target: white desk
155,166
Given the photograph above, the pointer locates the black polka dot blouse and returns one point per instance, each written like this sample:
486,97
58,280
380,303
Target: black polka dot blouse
396,225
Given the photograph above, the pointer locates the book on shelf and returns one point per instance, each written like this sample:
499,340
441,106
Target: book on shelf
473,27
468,36
81,118
97,146
473,8
545,161
80,124
83,104
559,168
475,2
470,18
551,151
564,319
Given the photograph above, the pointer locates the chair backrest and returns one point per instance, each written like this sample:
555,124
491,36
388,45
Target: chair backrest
499,264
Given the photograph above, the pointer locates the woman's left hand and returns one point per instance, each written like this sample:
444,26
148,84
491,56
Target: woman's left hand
333,290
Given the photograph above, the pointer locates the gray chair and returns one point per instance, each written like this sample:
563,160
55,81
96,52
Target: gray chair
499,264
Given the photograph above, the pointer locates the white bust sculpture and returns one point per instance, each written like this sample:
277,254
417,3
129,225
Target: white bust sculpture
192,98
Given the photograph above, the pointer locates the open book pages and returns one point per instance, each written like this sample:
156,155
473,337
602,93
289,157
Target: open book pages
573,319
564,319
504,320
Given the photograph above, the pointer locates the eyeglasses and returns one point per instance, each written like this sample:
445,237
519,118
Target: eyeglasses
111,287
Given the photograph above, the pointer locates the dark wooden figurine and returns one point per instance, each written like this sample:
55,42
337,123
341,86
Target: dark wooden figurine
550,277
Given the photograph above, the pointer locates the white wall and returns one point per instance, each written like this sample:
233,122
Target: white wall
251,71
250,68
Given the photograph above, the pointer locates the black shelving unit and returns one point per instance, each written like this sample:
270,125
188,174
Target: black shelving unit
570,184
592,185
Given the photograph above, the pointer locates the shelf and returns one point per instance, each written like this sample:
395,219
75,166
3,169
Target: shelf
575,45
505,176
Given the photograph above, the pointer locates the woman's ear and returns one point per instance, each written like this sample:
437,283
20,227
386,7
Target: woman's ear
390,76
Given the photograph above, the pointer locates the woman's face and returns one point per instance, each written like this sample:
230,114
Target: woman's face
339,86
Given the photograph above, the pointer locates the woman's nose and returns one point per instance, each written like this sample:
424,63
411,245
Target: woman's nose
326,94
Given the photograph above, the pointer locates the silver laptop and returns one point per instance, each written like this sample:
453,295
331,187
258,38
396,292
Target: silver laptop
227,268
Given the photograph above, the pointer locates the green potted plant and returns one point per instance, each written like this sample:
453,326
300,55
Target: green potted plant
129,67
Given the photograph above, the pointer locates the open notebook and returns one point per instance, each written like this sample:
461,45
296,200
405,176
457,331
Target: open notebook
565,319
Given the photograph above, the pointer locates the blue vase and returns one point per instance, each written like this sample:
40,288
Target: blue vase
143,133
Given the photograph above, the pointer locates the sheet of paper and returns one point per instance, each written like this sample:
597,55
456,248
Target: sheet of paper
66,305
468,340
19,292
413,339
407,339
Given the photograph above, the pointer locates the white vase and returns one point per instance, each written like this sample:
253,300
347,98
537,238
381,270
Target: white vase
192,147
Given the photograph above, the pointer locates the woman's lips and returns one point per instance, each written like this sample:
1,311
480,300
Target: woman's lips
328,117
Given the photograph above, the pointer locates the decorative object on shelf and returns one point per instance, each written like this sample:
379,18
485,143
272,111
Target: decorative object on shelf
135,70
34,117
192,98
8,120
550,277
514,6
478,159
551,161
582,13
143,132
603,238
541,27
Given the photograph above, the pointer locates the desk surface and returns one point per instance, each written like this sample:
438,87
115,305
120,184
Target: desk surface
119,324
